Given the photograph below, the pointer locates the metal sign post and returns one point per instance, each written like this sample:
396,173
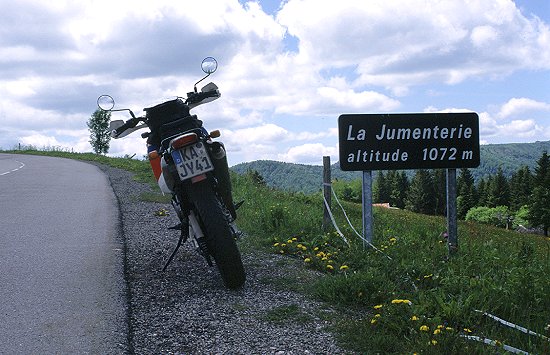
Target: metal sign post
452,228
367,207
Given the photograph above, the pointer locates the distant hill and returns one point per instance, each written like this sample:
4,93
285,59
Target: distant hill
308,178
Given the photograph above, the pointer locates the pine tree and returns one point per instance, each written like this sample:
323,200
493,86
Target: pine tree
381,189
521,187
421,196
100,136
499,190
440,191
466,192
399,189
539,208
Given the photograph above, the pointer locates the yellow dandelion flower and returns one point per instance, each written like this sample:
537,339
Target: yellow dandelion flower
324,258
378,306
398,301
330,267
299,246
276,244
283,245
373,321
316,248
294,239
467,330
433,342
344,267
377,315
441,326
424,328
449,329
289,241
307,260
437,331
282,251
414,318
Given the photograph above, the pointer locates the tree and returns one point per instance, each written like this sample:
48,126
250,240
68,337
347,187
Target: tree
381,189
521,187
100,136
440,191
499,190
466,192
539,208
399,186
421,196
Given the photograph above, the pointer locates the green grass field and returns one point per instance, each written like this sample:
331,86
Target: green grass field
407,295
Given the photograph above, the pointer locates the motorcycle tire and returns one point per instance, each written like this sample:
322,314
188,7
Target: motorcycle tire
220,241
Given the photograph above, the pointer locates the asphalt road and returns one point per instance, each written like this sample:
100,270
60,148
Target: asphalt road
62,288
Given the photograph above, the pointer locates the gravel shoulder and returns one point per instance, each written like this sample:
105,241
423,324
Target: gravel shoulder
187,310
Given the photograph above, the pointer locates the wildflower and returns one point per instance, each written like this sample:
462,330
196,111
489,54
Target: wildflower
324,258
307,260
437,331
373,321
433,342
467,330
448,329
304,248
414,318
424,328
294,239
289,241
316,249
344,267
441,326
378,306
393,240
276,244
282,251
398,301
330,267
377,315
283,245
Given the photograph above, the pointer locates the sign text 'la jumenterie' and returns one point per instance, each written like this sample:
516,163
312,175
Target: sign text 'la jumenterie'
408,141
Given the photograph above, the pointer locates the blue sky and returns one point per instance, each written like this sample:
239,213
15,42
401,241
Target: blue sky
287,69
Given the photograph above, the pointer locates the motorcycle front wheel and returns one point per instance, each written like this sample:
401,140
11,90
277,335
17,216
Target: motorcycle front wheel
220,241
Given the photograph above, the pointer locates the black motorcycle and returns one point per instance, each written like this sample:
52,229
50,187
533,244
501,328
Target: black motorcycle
193,168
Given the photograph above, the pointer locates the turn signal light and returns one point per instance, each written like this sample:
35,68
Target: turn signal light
215,133
184,140
153,155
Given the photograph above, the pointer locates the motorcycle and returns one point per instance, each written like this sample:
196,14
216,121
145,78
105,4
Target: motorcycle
192,167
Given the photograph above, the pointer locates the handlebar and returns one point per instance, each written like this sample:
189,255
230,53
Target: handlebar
131,123
196,97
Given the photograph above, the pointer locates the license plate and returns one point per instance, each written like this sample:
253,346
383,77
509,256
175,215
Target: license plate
192,160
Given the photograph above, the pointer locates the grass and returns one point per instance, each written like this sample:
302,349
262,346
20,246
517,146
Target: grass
495,271
408,296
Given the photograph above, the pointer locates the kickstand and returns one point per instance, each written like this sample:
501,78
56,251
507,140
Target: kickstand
183,238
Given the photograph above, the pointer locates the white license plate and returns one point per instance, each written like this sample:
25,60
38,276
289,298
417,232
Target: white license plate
192,160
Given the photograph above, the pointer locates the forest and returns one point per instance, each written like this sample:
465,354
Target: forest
511,188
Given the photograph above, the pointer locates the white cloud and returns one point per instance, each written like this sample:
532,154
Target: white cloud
311,153
516,106
277,95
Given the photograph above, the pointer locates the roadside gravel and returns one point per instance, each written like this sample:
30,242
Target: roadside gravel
187,310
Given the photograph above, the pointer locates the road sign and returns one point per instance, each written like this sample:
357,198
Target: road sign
408,141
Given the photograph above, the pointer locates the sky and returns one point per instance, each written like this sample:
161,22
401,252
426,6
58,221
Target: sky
287,69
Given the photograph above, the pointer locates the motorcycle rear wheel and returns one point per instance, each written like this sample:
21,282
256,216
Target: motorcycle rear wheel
220,241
